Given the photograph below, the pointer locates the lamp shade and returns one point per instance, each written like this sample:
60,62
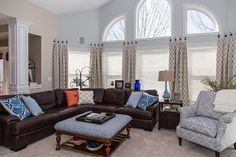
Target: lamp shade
165,76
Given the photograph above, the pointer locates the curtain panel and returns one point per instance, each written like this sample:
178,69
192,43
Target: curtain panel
60,65
129,63
178,64
226,61
96,65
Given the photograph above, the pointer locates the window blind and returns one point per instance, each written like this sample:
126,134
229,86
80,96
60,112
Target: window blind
148,64
112,67
201,63
77,60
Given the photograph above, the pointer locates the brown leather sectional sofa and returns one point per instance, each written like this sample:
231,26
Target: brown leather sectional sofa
17,134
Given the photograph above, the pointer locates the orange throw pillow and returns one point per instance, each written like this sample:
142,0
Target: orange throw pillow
72,98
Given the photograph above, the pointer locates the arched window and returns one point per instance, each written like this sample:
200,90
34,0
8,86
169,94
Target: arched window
115,31
200,22
153,19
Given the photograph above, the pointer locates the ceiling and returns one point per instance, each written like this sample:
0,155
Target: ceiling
66,6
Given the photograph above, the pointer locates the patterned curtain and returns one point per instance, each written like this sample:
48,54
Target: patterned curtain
60,65
178,63
129,63
226,61
96,65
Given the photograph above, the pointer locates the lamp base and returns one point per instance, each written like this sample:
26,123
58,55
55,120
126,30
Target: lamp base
166,94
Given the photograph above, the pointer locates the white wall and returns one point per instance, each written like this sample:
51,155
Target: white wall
43,24
231,12
72,26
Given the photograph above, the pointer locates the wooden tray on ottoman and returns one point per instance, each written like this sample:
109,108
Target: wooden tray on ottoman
109,133
108,116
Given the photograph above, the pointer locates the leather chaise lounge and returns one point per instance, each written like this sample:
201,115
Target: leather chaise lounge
17,134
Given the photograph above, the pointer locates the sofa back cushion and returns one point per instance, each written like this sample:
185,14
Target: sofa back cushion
46,100
98,94
61,97
205,106
114,96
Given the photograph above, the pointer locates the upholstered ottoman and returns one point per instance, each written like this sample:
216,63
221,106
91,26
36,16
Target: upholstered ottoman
105,133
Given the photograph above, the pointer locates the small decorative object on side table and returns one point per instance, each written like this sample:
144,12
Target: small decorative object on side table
168,114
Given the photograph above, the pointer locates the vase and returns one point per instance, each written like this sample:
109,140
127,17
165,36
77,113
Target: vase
137,85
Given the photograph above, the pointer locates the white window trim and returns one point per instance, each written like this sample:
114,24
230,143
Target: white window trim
111,24
207,11
153,38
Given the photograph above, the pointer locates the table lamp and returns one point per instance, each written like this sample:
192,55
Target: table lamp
166,76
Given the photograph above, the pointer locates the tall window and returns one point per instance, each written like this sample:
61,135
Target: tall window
77,60
202,63
153,19
112,67
149,63
115,31
199,22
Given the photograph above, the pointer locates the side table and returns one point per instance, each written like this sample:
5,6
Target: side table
169,115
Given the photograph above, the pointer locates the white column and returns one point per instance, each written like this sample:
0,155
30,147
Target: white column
18,56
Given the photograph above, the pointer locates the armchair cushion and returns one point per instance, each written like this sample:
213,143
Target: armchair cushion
202,125
205,106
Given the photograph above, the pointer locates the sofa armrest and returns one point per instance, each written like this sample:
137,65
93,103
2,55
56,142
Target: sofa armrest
153,107
8,119
228,117
226,129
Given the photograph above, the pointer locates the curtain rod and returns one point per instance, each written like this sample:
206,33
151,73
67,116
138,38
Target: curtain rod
175,39
58,41
131,42
226,35
94,44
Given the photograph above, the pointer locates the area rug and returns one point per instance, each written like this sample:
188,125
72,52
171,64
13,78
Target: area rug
142,144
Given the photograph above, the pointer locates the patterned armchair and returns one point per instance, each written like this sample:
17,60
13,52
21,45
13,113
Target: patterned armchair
200,124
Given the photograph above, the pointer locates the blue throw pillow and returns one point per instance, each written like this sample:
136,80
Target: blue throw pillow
32,105
134,99
146,101
16,107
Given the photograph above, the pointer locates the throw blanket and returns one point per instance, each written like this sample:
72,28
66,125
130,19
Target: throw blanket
225,101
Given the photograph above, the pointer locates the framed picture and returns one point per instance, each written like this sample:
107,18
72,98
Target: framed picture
119,84
127,85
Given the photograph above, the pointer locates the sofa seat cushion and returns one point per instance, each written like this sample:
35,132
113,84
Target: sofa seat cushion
135,113
105,108
33,123
202,125
64,112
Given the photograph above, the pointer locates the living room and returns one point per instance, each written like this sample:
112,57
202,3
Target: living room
159,73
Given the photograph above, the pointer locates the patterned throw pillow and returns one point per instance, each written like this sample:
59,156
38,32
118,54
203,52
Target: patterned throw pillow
86,97
16,107
134,99
72,98
33,106
146,101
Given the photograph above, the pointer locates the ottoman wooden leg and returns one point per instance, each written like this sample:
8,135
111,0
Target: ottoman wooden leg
58,139
108,149
128,131
180,141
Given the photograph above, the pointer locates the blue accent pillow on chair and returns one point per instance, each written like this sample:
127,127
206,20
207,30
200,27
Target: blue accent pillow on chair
16,107
33,106
134,99
147,100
